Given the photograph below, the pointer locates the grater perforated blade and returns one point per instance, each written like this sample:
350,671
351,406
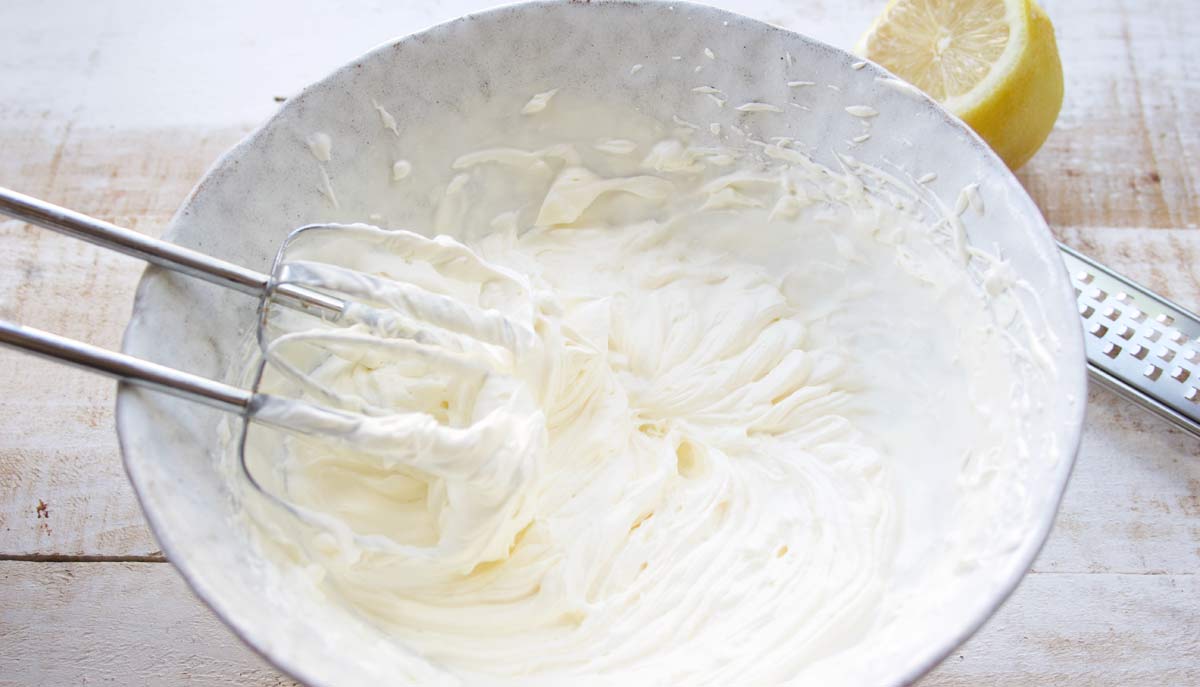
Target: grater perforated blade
1140,345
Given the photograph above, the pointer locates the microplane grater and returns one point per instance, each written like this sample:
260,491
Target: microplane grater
1144,347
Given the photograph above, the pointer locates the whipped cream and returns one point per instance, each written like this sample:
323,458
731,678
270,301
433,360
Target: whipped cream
651,409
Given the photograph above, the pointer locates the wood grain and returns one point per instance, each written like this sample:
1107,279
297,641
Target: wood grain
1085,630
136,623
116,623
57,445
1126,147
1133,503
102,113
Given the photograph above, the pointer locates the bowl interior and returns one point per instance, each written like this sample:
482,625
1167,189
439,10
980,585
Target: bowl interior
270,184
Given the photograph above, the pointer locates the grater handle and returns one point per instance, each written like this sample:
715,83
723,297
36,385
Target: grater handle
1134,395
1140,345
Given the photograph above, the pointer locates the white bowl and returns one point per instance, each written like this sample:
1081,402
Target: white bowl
267,185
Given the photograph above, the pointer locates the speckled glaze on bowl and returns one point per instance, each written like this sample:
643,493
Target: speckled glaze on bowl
268,184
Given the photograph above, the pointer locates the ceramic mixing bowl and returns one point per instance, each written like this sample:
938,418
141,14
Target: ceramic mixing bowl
433,82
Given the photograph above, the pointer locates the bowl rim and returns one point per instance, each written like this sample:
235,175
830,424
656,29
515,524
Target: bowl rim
1020,561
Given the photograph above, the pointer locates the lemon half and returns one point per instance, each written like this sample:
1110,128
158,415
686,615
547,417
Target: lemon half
994,63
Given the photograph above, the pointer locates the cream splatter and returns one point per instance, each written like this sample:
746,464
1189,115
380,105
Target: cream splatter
326,188
321,146
386,118
401,169
758,107
863,111
969,197
615,146
538,102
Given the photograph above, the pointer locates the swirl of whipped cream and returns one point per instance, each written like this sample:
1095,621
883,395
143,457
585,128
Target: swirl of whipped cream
636,423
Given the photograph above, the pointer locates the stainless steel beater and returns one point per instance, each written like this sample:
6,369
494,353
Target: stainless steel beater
163,254
377,313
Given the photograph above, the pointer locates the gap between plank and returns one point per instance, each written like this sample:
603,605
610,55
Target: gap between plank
156,557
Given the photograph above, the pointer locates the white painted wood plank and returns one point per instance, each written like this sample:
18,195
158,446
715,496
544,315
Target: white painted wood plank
115,624
1086,630
135,623
1133,503
57,442
1126,146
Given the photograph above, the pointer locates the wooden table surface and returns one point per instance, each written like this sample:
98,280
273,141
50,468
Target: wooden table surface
117,108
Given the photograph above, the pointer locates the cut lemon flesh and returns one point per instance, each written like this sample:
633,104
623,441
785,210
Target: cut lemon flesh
994,63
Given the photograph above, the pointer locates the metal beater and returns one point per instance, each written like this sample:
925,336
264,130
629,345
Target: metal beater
355,311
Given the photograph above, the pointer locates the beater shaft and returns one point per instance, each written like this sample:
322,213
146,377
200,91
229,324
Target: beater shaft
160,253
127,368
